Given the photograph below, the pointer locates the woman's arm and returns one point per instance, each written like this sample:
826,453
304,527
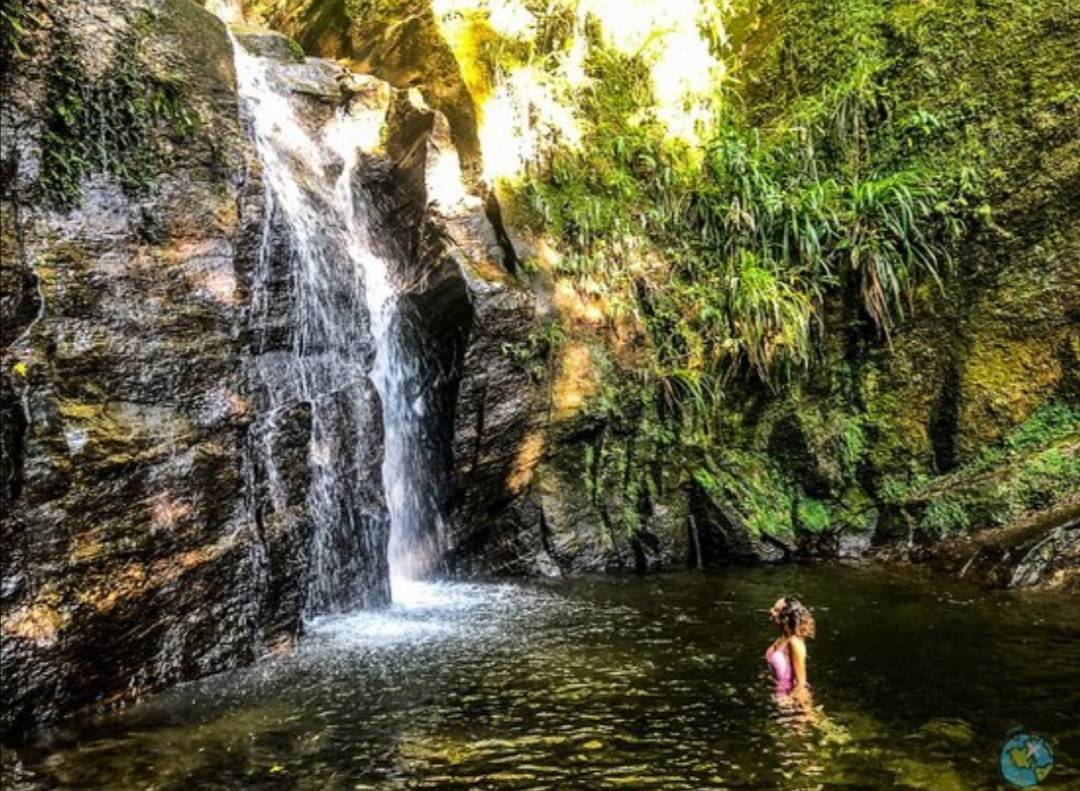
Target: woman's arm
798,664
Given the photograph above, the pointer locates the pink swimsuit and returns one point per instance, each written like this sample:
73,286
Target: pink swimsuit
780,663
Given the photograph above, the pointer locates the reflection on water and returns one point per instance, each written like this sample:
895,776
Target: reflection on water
611,683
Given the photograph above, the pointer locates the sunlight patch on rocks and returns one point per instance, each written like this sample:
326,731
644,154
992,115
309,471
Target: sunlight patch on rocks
38,621
443,177
166,511
528,456
576,379
220,285
571,304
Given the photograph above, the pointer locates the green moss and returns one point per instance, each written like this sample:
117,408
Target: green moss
1053,422
536,352
944,516
813,515
1035,467
295,49
853,444
754,488
1048,478
116,125
17,19
854,511
625,465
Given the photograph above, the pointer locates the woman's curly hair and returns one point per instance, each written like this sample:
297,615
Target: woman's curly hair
796,619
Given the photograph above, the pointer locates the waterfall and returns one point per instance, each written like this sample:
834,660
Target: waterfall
403,389
316,246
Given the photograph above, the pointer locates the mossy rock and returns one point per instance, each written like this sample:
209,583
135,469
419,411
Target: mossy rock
268,43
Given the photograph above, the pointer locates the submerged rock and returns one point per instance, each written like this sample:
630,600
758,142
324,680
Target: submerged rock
1051,559
1042,550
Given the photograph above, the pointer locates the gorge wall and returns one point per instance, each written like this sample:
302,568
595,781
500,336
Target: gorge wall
131,555
959,421
192,455
171,403
143,543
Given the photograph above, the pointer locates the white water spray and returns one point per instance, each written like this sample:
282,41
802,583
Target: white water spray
397,377
341,291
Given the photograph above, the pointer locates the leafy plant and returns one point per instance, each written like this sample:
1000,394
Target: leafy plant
756,232
813,515
16,18
943,516
537,351
115,125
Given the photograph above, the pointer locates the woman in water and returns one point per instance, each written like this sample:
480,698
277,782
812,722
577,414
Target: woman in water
787,655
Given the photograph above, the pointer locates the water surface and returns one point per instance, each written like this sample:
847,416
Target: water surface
613,682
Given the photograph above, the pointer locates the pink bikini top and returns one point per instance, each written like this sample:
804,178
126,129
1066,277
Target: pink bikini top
780,663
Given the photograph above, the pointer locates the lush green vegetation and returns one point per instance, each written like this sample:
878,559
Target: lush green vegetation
120,124
1034,467
756,228
16,17
851,153
753,231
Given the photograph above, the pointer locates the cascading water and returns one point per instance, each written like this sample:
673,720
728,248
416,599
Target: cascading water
341,298
403,388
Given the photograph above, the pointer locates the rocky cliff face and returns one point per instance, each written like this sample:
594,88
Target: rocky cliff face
156,521
967,419
517,498
964,419
131,559
156,493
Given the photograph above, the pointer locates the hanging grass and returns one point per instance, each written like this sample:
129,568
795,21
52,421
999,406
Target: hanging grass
756,229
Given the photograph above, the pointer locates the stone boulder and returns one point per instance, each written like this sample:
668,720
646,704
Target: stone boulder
141,543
